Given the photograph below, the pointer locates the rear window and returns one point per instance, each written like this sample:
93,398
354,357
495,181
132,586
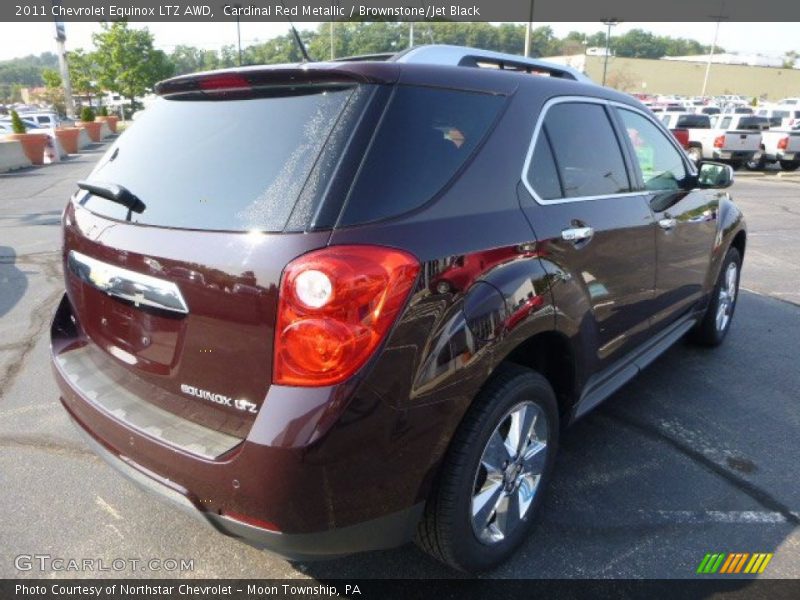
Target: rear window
753,123
694,122
425,136
236,165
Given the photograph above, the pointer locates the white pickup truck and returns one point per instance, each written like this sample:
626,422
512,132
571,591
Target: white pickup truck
725,138
778,145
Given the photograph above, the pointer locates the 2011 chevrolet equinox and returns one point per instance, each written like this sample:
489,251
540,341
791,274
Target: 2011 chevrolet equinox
331,307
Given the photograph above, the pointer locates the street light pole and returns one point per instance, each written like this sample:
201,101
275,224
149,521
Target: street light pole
609,23
711,54
528,28
239,33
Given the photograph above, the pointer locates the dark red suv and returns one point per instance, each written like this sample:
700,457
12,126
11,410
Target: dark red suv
332,307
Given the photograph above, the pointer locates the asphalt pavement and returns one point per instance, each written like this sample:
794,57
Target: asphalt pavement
698,454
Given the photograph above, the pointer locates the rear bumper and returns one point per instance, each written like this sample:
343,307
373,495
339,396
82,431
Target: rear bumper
734,155
384,532
340,482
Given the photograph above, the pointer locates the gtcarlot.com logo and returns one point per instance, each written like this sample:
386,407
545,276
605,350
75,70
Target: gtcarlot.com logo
731,563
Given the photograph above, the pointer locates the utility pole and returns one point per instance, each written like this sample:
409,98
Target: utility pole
528,28
239,34
332,50
61,38
718,18
411,34
608,23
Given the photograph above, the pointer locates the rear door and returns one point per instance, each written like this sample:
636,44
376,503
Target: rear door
598,231
686,219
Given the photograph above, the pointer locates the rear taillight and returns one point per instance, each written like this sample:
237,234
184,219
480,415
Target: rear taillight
719,141
335,307
783,143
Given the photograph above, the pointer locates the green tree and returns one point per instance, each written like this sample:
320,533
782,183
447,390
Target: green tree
127,62
54,93
17,126
790,59
83,72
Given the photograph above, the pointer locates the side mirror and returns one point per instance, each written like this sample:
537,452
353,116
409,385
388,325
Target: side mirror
714,175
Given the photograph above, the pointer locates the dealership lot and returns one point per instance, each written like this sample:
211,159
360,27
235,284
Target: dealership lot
696,455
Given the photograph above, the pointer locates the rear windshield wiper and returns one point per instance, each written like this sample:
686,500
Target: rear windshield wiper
115,193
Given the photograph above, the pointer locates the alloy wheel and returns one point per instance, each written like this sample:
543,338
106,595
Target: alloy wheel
727,297
509,472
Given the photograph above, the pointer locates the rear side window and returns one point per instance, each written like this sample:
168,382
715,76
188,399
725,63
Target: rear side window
423,139
586,150
236,165
694,122
542,172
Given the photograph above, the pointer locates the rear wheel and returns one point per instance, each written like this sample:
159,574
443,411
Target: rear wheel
493,477
719,314
790,165
695,153
757,163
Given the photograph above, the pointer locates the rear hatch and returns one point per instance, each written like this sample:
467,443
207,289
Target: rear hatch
741,141
177,300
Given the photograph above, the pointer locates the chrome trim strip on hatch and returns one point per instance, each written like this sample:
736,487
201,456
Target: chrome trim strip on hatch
134,287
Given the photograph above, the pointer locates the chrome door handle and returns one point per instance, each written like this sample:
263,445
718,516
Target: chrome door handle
668,223
577,234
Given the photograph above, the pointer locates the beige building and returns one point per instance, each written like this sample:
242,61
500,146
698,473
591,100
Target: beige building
647,76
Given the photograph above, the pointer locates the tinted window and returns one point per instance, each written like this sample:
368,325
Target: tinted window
694,122
586,150
756,123
425,136
221,164
542,173
660,162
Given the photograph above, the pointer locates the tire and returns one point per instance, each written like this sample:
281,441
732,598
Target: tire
695,153
714,326
448,531
756,164
790,165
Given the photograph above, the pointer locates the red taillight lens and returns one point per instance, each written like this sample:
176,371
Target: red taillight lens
783,143
335,307
719,142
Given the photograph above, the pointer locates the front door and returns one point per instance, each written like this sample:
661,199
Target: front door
596,232
686,219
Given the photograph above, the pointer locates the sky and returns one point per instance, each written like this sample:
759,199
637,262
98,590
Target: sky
22,39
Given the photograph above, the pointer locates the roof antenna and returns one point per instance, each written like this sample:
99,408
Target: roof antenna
300,44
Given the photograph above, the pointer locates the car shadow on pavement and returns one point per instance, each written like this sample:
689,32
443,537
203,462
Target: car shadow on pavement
13,281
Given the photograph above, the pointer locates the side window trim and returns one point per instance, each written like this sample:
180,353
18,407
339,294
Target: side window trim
537,131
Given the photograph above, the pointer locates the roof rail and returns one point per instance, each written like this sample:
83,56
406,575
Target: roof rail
359,57
462,56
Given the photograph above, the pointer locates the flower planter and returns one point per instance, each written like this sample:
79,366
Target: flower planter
111,120
68,136
92,128
32,144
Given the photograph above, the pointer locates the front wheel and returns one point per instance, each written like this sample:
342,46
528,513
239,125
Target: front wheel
716,322
494,474
790,165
